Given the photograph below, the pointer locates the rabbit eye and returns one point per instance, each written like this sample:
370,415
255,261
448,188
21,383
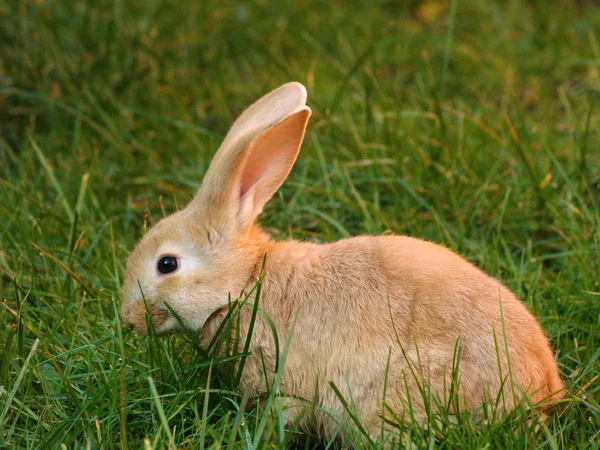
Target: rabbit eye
167,264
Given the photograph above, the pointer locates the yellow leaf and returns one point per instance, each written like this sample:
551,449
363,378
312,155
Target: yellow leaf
428,11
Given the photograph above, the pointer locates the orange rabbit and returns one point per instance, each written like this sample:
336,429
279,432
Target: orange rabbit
361,307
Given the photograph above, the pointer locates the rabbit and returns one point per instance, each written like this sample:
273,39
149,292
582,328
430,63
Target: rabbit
381,318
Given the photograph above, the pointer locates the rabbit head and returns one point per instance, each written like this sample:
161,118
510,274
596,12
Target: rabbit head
194,259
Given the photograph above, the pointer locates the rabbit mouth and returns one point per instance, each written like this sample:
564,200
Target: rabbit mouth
221,312
211,325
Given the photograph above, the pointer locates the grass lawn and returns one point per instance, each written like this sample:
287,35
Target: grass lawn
474,124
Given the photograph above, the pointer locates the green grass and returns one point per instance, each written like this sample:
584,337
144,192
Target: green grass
478,128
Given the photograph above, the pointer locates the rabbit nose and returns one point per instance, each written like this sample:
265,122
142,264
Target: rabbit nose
133,324
127,317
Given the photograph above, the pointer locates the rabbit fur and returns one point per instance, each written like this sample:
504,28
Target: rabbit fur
359,308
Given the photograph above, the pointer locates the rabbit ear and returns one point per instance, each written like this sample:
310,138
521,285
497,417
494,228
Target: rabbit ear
265,112
254,159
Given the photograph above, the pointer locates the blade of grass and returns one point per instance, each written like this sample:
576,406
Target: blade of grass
18,381
161,413
50,173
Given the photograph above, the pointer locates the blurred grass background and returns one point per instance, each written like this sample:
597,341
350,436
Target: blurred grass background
474,124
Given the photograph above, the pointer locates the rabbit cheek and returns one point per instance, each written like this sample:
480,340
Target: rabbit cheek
186,303
171,290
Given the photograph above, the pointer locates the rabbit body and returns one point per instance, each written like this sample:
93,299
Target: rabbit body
369,311
383,318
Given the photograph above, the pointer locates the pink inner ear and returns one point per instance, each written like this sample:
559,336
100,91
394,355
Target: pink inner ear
272,154
270,157
263,161
245,186
253,171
